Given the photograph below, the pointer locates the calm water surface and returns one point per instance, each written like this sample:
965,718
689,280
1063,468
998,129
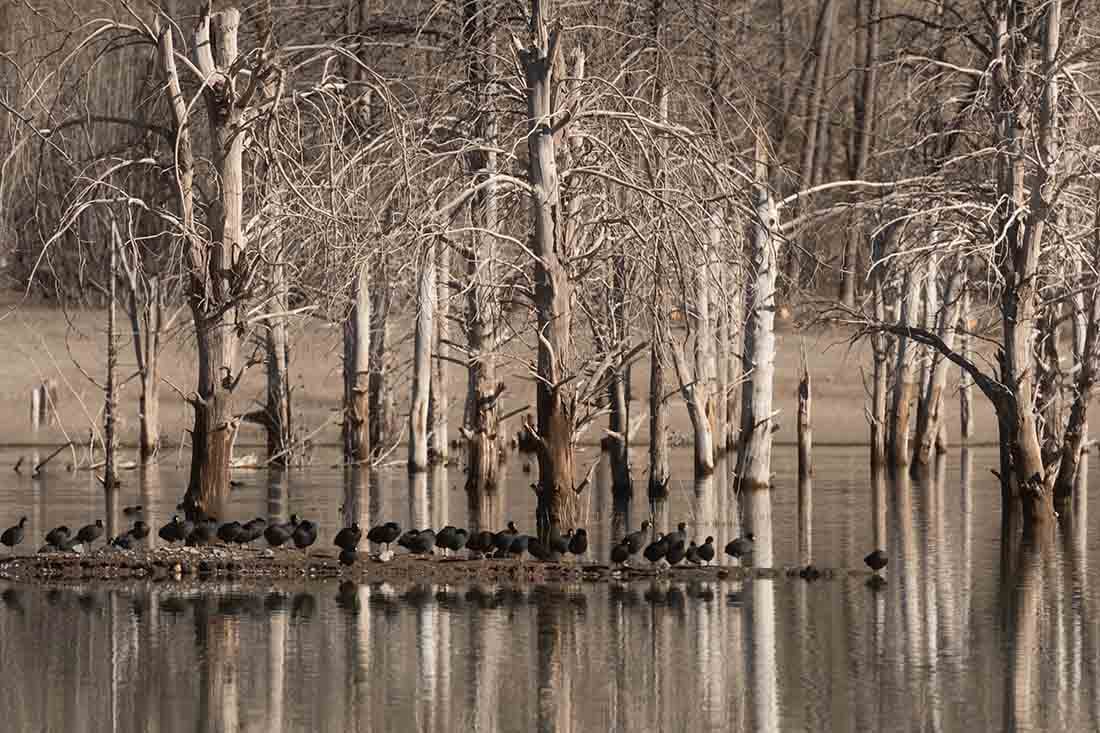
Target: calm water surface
955,642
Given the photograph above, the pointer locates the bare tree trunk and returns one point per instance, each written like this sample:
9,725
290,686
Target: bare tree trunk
558,503
380,411
904,384
805,468
966,383
930,408
439,396
880,354
754,454
278,370
1086,324
215,279
357,361
659,470
622,485
482,305
422,363
864,103
811,143
110,393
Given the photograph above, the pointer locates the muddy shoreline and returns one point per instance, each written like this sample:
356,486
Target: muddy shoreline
195,564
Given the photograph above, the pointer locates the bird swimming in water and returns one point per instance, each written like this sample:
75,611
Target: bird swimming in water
13,535
875,560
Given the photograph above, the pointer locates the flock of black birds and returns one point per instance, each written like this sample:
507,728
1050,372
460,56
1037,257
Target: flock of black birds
668,549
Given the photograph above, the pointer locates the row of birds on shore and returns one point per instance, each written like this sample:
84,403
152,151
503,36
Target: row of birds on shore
667,549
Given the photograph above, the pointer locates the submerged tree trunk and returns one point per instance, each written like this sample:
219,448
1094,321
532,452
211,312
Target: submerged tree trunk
966,404
439,396
278,370
558,501
929,411
357,357
904,382
110,403
380,409
758,365
422,364
145,308
805,467
880,354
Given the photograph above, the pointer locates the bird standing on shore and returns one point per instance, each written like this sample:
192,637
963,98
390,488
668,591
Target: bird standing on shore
578,544
89,533
635,540
706,550
348,538
13,535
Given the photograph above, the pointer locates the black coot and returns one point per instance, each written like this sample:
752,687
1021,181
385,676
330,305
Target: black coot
740,547
57,536
384,534
636,540
422,543
229,532
304,535
503,539
519,545
89,533
13,535
706,550
558,543
348,556
676,550
539,551
876,561
692,555
277,535
140,530
578,544
123,541
620,553
348,538
172,531
656,550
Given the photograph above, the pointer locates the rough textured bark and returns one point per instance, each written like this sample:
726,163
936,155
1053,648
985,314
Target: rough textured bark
930,409
1025,481
805,468
1075,438
904,377
380,410
558,503
439,399
422,363
697,384
864,103
966,383
482,305
110,403
659,470
357,357
277,415
216,278
754,454
880,354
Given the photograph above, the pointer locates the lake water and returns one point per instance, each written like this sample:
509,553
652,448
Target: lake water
954,642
